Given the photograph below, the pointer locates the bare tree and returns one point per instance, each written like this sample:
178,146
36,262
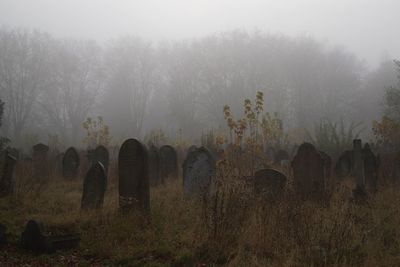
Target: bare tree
131,72
24,69
75,83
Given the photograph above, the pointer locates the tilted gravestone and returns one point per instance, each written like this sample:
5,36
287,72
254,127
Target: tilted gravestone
7,182
199,171
371,166
40,161
101,154
308,173
154,165
269,182
134,191
168,163
94,187
70,163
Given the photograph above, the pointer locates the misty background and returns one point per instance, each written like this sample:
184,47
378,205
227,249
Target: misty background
173,65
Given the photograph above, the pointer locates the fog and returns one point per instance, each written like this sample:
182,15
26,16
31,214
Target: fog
366,27
173,65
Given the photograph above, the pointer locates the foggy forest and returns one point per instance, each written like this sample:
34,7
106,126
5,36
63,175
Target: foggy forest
191,133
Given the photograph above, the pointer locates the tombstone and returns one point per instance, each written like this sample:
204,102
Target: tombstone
7,182
94,187
154,165
269,182
308,173
38,238
280,156
168,163
70,164
101,154
40,161
198,172
344,164
371,166
133,173
192,148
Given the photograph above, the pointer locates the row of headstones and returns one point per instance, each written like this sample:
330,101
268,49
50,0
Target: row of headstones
312,169
134,171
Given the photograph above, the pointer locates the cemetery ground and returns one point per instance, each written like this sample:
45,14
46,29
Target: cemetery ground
234,228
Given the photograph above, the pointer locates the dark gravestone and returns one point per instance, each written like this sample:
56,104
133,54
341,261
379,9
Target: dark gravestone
371,166
94,187
134,191
191,149
39,239
168,163
40,161
101,154
308,173
154,165
70,163
7,182
344,164
270,183
199,171
280,156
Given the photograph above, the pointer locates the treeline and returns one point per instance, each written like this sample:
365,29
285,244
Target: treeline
51,85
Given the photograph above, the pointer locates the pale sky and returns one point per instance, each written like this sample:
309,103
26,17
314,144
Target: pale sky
368,28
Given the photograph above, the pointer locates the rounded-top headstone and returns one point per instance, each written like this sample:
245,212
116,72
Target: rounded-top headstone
94,187
308,172
199,171
168,162
70,163
344,164
133,176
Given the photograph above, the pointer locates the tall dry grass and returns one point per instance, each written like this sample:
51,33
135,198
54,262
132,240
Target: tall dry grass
232,227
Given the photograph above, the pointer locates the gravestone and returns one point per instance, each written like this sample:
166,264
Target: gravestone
101,154
3,234
199,171
168,163
133,172
40,161
344,164
371,166
280,156
39,238
269,182
154,165
70,163
7,182
308,173
94,187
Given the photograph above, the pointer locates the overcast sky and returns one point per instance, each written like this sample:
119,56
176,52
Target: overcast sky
369,28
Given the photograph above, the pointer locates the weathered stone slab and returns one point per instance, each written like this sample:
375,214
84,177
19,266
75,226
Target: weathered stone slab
168,163
199,172
134,191
94,187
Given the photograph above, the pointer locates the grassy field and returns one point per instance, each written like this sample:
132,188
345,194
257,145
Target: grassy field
233,228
